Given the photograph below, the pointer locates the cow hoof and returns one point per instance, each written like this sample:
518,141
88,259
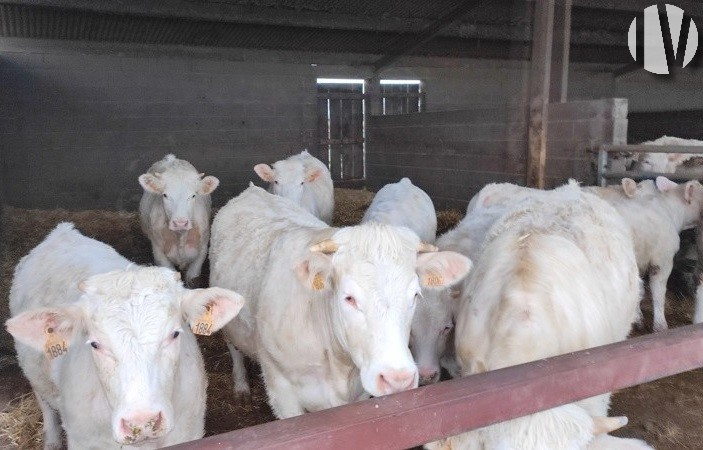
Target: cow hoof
242,392
660,327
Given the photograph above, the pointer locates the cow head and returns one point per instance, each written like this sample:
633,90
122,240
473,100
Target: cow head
431,328
288,177
131,324
688,195
179,188
371,276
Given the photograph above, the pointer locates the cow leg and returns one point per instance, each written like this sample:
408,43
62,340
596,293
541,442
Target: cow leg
658,276
698,314
281,393
52,429
196,266
239,372
160,257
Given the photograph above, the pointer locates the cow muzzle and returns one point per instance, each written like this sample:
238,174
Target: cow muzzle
180,225
392,381
139,426
428,375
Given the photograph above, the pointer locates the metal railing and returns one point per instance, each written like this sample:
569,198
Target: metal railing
422,415
604,174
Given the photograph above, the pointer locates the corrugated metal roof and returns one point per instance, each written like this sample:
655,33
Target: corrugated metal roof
491,29
50,23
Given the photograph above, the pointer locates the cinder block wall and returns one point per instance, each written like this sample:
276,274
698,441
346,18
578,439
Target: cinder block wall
452,155
78,128
575,131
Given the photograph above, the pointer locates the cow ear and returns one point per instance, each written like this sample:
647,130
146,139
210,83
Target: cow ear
664,184
688,190
265,172
208,184
208,310
313,174
441,269
38,328
151,184
315,272
629,186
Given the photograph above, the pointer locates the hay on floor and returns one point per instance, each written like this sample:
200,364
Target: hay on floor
21,423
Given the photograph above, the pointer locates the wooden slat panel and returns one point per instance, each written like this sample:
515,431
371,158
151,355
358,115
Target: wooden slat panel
428,413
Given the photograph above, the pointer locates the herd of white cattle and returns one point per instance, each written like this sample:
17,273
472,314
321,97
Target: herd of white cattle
336,315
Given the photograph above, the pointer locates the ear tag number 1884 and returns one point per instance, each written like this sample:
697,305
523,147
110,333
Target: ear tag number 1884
203,325
55,345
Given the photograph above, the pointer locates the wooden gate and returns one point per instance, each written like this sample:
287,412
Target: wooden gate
340,116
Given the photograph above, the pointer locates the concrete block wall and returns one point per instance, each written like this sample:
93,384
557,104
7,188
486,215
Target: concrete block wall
78,128
575,130
450,154
453,154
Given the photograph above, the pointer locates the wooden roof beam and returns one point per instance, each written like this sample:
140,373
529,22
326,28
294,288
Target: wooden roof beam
404,44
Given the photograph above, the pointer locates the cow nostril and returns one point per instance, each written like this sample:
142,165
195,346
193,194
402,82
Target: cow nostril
156,422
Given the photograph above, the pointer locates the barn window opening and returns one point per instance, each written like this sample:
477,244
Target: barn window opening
401,96
341,114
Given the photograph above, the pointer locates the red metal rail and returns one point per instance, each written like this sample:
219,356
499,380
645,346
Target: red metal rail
428,413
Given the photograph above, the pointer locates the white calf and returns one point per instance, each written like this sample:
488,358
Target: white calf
405,205
175,214
656,216
304,180
666,162
105,344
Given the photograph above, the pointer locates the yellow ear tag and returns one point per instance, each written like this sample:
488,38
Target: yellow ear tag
55,345
318,283
433,279
203,325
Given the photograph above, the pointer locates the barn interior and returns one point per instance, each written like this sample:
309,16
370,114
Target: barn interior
453,94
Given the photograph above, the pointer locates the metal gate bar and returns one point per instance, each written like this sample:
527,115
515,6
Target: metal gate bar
428,413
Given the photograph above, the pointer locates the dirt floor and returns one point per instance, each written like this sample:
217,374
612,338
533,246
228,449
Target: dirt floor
666,413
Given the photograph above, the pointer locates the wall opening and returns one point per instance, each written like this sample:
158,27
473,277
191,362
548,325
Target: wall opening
341,114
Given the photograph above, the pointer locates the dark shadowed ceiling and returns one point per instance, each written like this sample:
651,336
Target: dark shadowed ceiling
445,28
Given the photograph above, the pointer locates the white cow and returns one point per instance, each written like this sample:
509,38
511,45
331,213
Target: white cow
175,214
329,310
405,205
304,180
666,162
557,273
656,216
104,343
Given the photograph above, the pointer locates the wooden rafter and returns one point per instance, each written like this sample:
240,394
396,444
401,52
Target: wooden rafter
404,44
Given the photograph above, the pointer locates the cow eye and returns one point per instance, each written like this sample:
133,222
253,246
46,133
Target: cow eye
275,181
302,183
95,345
351,301
175,334
192,196
165,196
